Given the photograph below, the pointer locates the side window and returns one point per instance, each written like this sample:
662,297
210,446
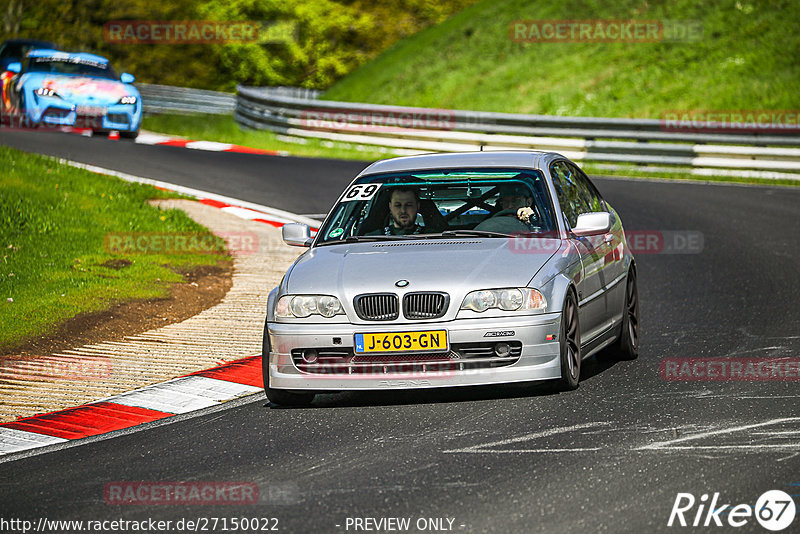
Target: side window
574,199
589,190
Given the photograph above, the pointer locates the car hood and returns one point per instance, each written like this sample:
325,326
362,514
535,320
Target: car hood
82,89
456,266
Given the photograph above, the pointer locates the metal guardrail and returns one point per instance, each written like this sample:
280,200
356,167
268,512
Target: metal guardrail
169,99
633,141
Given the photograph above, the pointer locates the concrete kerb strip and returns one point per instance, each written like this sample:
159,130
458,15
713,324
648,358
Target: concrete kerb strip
232,332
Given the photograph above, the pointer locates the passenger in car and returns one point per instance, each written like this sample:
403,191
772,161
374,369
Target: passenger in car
515,211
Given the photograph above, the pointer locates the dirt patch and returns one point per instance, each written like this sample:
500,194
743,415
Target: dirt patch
203,287
117,264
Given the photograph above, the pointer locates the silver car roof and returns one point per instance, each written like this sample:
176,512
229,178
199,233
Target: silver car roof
525,159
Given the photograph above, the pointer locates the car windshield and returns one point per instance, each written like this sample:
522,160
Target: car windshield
441,203
71,65
18,50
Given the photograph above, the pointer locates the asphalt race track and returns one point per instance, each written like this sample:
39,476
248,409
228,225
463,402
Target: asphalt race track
268,180
609,457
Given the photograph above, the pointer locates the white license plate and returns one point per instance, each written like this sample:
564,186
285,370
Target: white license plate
90,110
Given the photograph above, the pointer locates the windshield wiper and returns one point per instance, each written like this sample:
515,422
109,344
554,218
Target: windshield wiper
360,238
367,238
476,233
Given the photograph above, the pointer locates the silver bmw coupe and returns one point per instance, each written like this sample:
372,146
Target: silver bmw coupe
453,270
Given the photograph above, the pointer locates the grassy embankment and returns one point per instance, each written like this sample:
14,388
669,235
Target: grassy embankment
54,263
745,59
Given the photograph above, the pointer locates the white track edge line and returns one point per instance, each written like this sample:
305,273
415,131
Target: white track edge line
196,193
79,442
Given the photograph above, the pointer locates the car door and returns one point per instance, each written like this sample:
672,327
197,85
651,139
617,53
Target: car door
575,199
613,271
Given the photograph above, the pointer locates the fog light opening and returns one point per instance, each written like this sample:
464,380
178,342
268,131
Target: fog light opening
310,356
502,349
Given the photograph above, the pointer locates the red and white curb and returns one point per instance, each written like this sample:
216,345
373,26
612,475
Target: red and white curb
189,393
203,389
149,138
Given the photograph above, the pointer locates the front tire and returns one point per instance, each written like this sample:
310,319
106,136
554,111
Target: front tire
129,135
627,345
280,397
283,397
570,345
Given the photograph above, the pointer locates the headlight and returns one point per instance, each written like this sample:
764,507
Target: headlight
508,299
300,306
46,91
127,100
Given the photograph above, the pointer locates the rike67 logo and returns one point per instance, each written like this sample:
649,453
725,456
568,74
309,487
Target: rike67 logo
774,510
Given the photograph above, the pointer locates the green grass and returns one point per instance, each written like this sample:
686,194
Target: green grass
224,129
54,220
745,60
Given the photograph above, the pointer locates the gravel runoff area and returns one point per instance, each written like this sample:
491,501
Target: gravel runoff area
227,331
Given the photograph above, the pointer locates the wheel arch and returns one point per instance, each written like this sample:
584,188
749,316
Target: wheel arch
559,287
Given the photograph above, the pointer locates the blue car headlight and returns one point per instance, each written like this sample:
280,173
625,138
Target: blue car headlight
127,100
46,91
507,299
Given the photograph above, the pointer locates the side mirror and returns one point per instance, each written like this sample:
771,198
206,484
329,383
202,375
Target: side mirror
127,78
14,67
595,223
297,235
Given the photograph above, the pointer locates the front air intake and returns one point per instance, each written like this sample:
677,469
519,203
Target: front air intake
428,305
377,307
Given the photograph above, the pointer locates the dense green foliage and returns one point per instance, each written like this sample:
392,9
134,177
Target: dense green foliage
301,43
746,59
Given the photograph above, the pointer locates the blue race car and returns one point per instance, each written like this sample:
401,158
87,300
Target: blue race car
12,51
62,89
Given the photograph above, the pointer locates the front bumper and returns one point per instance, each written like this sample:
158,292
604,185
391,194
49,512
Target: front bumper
538,360
63,114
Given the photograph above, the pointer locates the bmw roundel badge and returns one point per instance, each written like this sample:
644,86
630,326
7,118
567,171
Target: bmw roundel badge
401,283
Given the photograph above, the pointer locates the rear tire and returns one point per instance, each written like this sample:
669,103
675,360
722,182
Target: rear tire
627,345
280,397
570,345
